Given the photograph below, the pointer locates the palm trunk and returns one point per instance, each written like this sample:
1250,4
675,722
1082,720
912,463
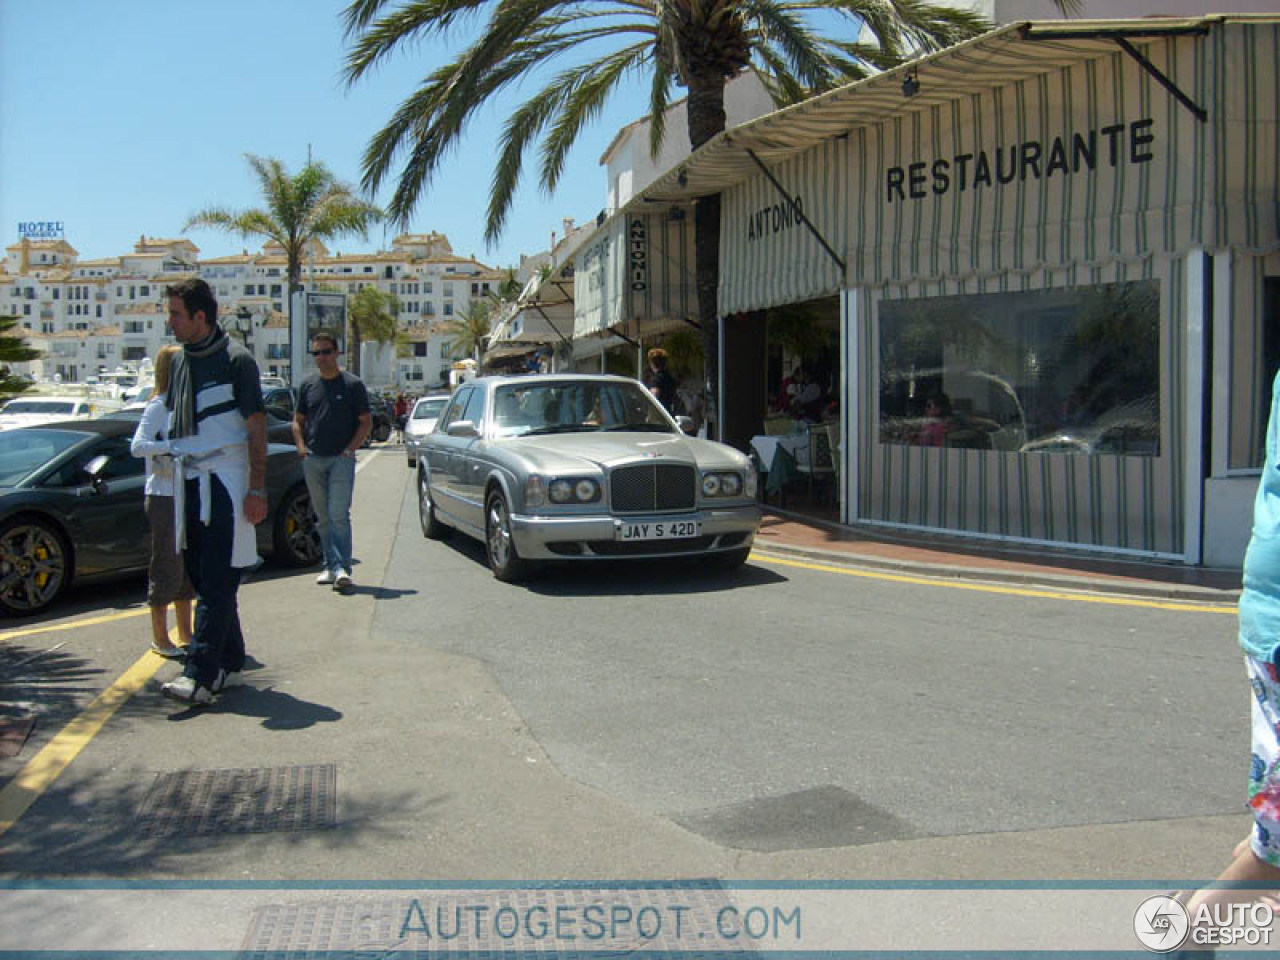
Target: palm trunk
706,119
353,347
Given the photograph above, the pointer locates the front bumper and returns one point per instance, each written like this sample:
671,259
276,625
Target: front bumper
588,537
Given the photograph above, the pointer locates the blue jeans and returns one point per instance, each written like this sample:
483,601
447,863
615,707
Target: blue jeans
330,481
217,643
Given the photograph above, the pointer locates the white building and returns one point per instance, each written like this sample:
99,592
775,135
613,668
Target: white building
93,316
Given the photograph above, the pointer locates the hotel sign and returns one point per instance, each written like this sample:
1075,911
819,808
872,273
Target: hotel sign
40,229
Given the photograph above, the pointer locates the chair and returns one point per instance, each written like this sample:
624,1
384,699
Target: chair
821,454
779,426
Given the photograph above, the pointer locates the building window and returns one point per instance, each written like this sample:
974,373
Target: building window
447,288
448,309
420,349
1073,370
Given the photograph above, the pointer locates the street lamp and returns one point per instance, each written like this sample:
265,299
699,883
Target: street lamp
244,327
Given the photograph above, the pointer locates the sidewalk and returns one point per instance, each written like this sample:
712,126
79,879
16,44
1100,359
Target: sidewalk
789,533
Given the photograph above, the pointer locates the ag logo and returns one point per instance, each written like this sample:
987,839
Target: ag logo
1161,923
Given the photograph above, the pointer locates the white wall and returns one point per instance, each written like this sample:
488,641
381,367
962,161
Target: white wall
631,169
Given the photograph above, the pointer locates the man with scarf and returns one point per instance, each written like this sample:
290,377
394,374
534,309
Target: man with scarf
218,433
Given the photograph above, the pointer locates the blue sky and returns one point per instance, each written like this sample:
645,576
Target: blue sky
123,117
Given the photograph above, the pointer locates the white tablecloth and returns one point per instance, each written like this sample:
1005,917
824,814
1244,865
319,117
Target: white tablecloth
767,447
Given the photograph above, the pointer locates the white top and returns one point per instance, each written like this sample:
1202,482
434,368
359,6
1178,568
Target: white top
151,440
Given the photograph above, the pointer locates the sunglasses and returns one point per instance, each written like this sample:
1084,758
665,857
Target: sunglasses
321,353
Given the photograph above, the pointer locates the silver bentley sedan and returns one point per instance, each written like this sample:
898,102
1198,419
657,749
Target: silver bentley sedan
575,467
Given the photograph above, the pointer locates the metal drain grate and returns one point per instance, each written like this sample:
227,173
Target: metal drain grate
265,799
396,925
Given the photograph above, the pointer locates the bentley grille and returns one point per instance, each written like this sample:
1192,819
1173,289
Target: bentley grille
653,487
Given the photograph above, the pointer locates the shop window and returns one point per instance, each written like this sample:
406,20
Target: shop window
1055,371
1270,356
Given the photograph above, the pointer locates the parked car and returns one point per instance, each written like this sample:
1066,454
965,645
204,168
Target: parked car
580,467
34,410
279,414
421,421
71,510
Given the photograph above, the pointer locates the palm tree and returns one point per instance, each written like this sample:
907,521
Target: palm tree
13,349
300,208
471,329
371,315
698,44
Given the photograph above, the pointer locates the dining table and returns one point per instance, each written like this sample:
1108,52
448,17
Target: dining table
779,456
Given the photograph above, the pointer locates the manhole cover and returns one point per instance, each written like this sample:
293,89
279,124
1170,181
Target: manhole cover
265,799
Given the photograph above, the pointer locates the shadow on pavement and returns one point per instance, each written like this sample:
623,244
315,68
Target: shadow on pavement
90,825
627,578
278,710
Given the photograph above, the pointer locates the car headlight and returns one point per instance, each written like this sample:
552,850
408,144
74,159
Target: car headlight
722,485
574,490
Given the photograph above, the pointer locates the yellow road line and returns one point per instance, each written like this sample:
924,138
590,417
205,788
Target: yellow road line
108,618
1116,601
47,765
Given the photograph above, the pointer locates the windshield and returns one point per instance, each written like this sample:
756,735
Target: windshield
40,406
429,409
23,452
575,407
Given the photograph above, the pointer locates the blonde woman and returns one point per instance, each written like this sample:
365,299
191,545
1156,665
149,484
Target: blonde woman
167,574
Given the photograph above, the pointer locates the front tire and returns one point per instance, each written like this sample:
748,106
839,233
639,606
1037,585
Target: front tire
499,545
34,566
297,531
381,432
432,528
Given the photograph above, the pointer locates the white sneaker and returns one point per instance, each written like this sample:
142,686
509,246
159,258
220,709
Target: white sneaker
325,578
187,690
343,580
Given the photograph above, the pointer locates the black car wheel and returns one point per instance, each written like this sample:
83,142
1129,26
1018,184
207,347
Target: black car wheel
499,545
432,528
33,565
297,532
381,432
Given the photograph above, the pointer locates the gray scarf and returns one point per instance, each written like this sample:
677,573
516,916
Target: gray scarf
181,398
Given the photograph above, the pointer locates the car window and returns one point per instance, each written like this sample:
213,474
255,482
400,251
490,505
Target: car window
121,463
475,407
454,410
279,403
23,452
577,406
429,409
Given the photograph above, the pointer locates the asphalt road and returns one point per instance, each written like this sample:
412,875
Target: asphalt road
649,721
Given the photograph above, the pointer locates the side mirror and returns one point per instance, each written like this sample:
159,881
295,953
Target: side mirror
685,424
462,428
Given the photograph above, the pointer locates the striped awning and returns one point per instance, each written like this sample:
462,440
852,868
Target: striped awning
1017,52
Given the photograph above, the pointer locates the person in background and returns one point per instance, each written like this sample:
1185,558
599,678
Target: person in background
330,425
937,412
659,379
167,580
400,410
218,426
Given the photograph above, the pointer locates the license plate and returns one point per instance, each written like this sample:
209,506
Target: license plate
659,530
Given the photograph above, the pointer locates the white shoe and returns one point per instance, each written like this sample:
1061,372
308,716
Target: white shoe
187,690
325,578
343,580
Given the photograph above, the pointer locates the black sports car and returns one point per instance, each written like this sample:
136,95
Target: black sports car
71,510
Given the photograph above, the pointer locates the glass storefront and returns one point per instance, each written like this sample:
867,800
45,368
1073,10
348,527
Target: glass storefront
1072,370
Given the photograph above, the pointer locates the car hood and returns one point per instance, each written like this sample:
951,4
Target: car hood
13,421
565,452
